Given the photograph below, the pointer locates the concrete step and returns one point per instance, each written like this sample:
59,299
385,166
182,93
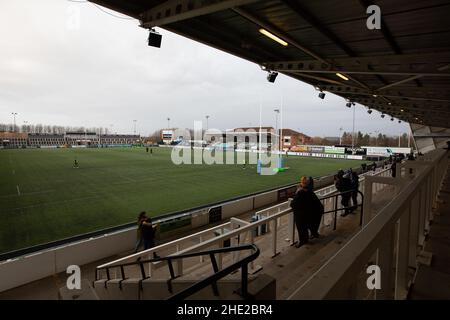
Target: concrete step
430,284
86,292
441,219
440,231
441,254
294,267
158,289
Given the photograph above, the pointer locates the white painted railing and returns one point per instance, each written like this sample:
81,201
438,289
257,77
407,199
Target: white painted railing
394,236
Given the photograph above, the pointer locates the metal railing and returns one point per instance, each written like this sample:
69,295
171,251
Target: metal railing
210,280
336,208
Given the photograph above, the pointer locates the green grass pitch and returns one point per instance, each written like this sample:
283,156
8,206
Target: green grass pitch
43,198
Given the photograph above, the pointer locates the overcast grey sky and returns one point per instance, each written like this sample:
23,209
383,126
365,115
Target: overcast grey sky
102,72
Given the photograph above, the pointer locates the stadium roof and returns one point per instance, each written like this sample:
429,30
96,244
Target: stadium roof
401,69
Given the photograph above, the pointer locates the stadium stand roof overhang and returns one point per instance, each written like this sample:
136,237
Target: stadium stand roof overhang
402,69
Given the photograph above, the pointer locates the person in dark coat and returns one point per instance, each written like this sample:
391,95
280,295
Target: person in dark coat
311,184
355,188
148,232
307,210
343,185
139,241
394,168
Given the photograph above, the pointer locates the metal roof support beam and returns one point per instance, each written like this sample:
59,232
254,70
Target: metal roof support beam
430,105
274,30
300,10
323,79
178,10
401,92
434,64
412,94
443,68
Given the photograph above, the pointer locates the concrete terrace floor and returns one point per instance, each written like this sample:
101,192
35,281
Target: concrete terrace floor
291,267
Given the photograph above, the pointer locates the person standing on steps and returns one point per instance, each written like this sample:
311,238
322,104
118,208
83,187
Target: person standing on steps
147,233
307,210
343,185
355,188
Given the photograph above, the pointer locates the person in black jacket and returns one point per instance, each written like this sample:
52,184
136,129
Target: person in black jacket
307,210
355,188
343,185
148,233
394,168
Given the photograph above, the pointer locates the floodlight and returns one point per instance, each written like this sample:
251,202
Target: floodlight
271,76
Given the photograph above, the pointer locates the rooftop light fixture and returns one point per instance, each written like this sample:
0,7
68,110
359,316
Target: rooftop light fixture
271,76
340,75
273,37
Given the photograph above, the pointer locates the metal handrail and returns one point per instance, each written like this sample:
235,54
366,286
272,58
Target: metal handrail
336,209
211,280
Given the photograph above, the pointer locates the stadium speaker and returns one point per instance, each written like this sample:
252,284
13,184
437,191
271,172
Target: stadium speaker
321,95
154,39
271,76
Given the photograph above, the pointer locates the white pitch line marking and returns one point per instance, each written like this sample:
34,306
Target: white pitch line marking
18,190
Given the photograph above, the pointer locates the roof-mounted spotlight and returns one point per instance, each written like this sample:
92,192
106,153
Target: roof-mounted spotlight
399,121
154,39
271,76
392,119
369,111
382,115
348,104
321,95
